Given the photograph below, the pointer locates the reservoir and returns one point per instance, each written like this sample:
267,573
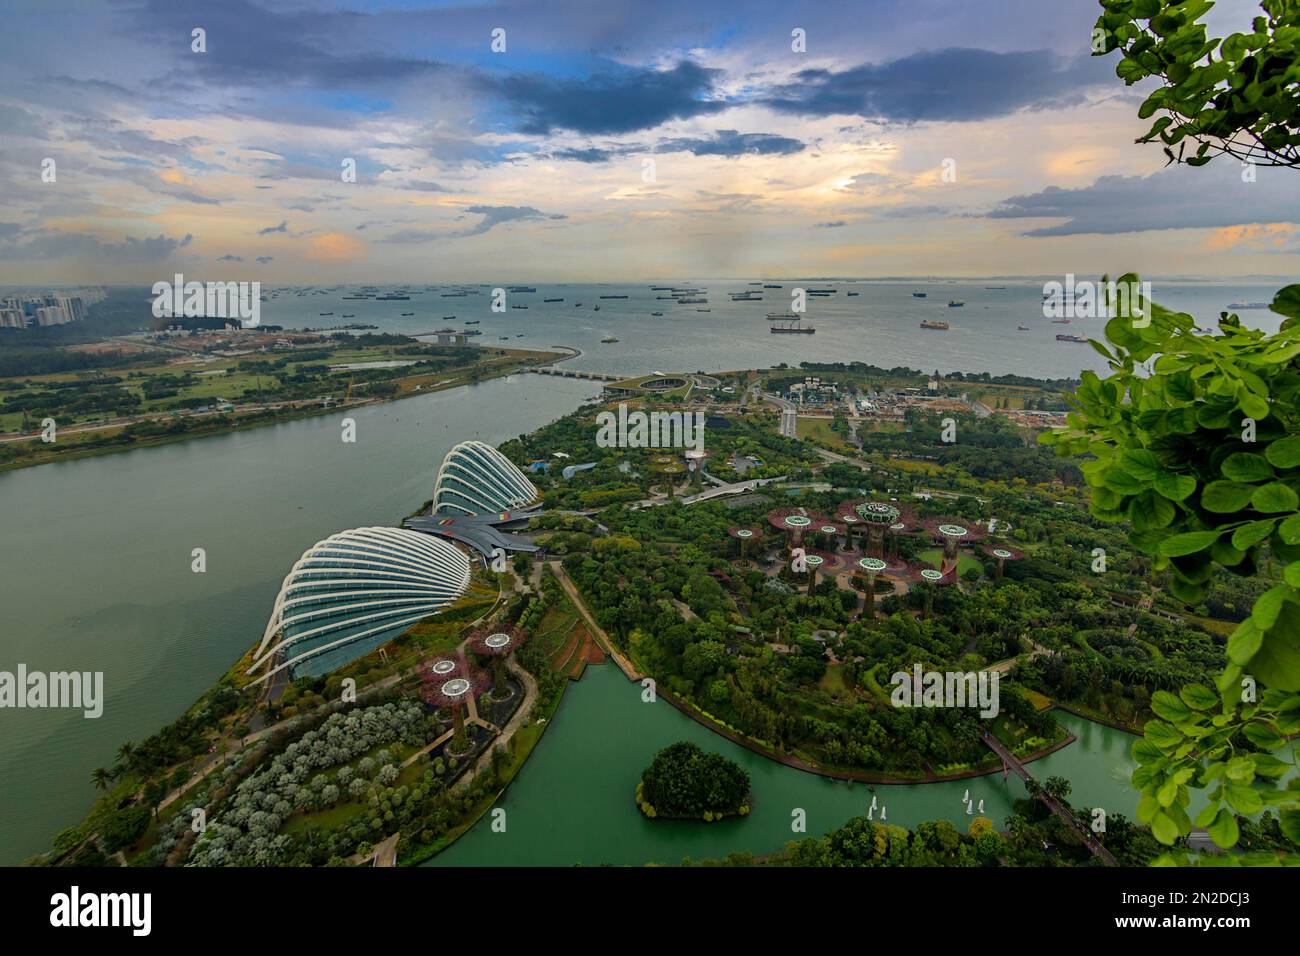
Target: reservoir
572,801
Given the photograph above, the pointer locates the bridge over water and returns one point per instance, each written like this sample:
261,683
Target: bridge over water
1012,763
576,373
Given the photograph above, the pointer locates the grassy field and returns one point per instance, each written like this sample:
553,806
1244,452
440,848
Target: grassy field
819,429
965,562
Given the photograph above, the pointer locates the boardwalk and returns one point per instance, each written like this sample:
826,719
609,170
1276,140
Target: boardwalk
1060,809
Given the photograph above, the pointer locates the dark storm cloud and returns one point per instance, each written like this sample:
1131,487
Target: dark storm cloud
263,260
283,227
940,86
1174,198
621,101
836,224
728,142
230,258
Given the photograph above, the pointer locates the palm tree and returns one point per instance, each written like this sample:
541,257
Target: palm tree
126,753
101,777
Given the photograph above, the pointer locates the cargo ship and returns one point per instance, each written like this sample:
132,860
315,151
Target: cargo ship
1071,338
919,295
552,300
392,297
791,328
932,324
955,303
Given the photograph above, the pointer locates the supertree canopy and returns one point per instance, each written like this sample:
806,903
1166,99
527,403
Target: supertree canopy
795,522
1002,553
878,518
953,532
924,574
452,691
498,640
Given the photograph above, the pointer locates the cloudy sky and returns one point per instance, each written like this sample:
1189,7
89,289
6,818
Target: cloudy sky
610,140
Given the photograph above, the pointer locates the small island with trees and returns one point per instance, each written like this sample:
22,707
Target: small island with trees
685,783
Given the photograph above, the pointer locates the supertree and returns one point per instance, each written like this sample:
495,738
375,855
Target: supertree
929,578
497,642
953,532
878,518
867,570
454,693
1003,554
745,535
794,522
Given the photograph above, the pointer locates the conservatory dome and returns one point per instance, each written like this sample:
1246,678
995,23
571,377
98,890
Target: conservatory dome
475,478
355,591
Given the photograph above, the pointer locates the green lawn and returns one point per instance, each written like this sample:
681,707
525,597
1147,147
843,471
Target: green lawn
820,430
934,558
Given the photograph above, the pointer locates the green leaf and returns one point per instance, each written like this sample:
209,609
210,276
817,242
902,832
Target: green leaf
1199,697
1289,530
1163,735
1289,820
1243,798
1268,606
1149,510
1164,829
1251,534
1285,452
1175,487
1226,497
1143,465
1189,542
1250,403
1169,707
1263,736
1292,574
1244,642
1246,466
1223,831
1116,479
1287,302
1273,499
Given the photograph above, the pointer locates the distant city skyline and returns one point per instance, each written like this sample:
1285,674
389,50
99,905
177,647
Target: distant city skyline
613,142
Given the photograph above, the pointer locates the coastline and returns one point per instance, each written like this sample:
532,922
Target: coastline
257,419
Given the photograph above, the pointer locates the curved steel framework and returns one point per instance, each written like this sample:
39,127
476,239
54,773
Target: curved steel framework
475,478
353,592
